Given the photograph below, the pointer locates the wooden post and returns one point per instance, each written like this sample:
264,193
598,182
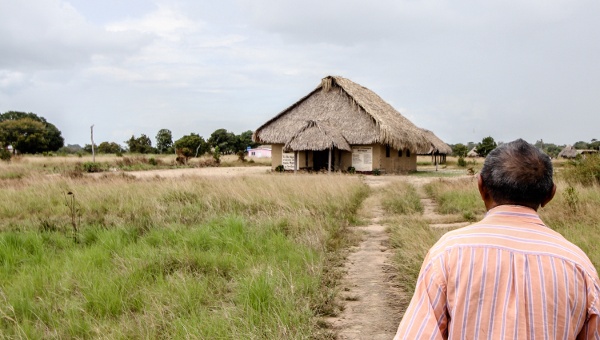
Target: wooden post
93,151
295,161
306,159
329,162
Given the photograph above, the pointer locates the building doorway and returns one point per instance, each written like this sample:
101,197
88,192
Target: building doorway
321,158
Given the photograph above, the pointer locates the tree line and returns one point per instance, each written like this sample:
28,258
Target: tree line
28,133
488,144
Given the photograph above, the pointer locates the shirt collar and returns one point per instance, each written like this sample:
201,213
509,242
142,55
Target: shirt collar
515,211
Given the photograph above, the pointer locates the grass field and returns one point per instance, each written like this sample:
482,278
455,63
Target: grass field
211,258
24,166
574,213
256,257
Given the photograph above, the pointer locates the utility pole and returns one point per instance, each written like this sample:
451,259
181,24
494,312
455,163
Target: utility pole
93,151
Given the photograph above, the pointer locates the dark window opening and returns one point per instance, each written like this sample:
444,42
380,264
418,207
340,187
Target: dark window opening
387,151
399,153
407,153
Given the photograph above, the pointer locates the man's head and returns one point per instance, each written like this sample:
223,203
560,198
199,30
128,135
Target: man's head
516,173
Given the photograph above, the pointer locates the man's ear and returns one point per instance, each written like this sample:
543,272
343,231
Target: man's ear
485,196
482,190
550,197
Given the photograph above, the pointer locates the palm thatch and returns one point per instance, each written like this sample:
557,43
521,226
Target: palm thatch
437,146
316,136
473,152
568,152
359,115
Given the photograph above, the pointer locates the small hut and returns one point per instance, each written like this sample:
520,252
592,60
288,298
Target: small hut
473,153
339,125
438,149
570,152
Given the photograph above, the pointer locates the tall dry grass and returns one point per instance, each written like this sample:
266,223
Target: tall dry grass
210,258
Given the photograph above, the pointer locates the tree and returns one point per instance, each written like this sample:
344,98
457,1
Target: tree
581,145
226,141
142,144
25,135
112,147
553,150
50,139
244,140
194,143
485,146
164,141
88,148
460,150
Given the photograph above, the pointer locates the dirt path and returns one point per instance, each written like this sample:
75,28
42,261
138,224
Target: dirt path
371,301
370,297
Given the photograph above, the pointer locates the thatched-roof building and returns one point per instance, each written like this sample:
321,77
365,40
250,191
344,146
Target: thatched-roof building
438,149
570,152
341,124
473,153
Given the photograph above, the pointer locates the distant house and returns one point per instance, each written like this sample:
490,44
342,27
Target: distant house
339,125
570,152
262,151
473,153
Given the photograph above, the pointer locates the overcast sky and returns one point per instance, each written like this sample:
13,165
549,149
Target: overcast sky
463,69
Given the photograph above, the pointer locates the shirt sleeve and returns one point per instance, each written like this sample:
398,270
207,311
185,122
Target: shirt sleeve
426,316
591,327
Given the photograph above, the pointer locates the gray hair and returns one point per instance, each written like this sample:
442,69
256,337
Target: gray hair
518,173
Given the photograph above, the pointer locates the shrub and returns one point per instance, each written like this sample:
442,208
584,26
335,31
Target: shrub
217,155
461,162
376,172
241,156
280,168
572,198
585,171
351,169
5,155
207,162
152,161
92,167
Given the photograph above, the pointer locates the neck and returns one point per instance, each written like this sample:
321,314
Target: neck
494,204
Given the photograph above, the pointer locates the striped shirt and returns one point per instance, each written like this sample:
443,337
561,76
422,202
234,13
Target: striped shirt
506,277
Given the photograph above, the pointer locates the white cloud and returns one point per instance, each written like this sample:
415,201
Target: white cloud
458,68
50,34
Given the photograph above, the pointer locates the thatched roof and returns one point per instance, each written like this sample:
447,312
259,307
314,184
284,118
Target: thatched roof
317,136
473,152
436,146
357,113
570,152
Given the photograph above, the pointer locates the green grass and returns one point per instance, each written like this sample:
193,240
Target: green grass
457,197
201,258
401,198
584,171
411,237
